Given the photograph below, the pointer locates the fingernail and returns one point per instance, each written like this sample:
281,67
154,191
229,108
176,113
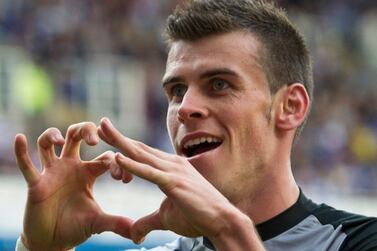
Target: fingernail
105,120
109,121
58,137
119,156
93,138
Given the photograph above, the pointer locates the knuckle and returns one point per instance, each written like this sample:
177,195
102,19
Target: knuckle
148,171
137,226
109,154
53,130
137,151
88,127
72,129
179,159
134,152
47,135
89,124
178,182
141,145
80,129
170,183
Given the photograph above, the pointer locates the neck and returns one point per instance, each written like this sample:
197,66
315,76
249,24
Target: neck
274,194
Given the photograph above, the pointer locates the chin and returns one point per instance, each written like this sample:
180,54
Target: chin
207,163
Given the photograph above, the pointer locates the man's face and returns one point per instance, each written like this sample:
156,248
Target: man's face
219,110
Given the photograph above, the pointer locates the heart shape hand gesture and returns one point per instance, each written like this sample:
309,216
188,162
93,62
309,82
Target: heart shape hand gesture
61,211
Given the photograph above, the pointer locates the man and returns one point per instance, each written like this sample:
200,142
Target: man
239,85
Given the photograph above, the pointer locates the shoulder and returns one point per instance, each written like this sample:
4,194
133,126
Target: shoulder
310,226
360,231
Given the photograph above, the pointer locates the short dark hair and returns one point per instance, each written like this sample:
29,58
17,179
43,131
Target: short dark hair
284,57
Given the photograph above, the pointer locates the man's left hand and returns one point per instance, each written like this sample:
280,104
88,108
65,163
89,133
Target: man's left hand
193,207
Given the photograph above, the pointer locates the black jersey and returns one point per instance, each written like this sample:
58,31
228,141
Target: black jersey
309,226
305,226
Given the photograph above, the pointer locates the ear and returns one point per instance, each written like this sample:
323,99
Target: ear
293,107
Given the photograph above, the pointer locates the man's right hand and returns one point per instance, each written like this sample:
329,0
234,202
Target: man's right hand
61,211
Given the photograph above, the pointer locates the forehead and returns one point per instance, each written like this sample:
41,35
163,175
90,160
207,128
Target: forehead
237,50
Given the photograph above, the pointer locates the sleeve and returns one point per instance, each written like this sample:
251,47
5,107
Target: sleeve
21,247
173,246
180,244
361,235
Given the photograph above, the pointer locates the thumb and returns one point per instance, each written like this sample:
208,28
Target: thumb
116,224
100,164
24,162
146,224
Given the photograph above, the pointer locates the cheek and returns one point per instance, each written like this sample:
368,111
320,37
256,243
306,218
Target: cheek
249,128
172,123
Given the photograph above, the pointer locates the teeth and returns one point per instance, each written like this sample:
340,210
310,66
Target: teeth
197,141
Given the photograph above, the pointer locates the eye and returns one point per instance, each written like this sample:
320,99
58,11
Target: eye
178,90
219,84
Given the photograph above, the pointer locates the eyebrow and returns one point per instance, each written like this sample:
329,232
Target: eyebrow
206,74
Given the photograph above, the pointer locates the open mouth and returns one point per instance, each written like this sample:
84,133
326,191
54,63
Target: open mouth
200,145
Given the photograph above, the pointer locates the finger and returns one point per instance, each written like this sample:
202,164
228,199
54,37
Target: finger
117,224
46,142
142,170
113,137
144,225
134,149
121,174
24,162
156,152
126,176
105,162
86,131
116,172
100,164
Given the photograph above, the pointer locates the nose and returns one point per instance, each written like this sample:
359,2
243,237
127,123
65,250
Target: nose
192,106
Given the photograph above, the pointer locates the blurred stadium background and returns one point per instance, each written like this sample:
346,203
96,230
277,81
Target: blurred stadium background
66,61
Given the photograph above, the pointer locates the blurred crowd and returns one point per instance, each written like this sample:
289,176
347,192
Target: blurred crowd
57,40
